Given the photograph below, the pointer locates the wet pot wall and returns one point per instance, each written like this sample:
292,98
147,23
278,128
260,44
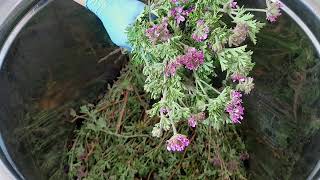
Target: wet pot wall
52,67
51,64
283,120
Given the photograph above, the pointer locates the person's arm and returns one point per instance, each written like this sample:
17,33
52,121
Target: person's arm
116,16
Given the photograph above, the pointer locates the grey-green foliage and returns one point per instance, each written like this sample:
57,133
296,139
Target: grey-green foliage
99,150
186,90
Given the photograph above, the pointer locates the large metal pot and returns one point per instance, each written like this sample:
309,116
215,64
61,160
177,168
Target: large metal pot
59,42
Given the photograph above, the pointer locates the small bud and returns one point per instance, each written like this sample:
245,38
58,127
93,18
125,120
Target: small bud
273,10
156,132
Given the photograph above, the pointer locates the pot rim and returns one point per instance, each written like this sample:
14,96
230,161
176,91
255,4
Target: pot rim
8,169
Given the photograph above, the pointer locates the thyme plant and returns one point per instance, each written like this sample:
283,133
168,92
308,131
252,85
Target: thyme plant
195,58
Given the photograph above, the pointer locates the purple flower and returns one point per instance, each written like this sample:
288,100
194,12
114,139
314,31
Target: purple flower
159,33
233,4
192,59
180,14
202,31
273,10
216,162
164,111
193,120
235,108
238,77
177,142
177,13
171,68
188,11
244,156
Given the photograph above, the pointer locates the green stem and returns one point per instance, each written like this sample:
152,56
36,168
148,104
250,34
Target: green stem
125,136
173,127
255,10
211,87
197,79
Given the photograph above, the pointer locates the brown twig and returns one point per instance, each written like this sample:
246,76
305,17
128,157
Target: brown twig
90,152
109,55
109,105
123,111
143,103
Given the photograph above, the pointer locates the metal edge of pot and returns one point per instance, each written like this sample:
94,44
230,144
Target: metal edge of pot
14,21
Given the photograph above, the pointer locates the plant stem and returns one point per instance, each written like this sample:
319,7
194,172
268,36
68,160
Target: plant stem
125,136
211,87
197,79
173,127
255,10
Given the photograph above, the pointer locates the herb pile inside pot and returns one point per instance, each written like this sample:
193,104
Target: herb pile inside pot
188,73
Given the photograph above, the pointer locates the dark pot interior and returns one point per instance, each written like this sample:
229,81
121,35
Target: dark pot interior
52,67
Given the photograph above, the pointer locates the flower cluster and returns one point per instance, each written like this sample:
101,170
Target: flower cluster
235,108
193,120
177,142
192,59
239,35
273,10
159,33
201,32
237,77
244,83
180,14
171,68
233,4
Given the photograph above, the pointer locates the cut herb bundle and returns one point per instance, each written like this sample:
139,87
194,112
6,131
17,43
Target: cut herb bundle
190,45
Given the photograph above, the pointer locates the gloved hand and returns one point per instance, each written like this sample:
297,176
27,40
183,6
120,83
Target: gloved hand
116,16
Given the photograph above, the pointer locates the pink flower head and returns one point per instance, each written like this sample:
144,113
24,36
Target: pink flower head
233,4
188,11
180,14
177,142
192,59
244,156
177,13
159,33
238,77
171,68
202,31
216,162
273,10
193,120
235,108
164,111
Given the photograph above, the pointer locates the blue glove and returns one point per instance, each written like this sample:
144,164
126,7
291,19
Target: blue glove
117,16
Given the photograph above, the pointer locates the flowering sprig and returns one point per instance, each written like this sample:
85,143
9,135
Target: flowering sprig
180,51
201,32
273,10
